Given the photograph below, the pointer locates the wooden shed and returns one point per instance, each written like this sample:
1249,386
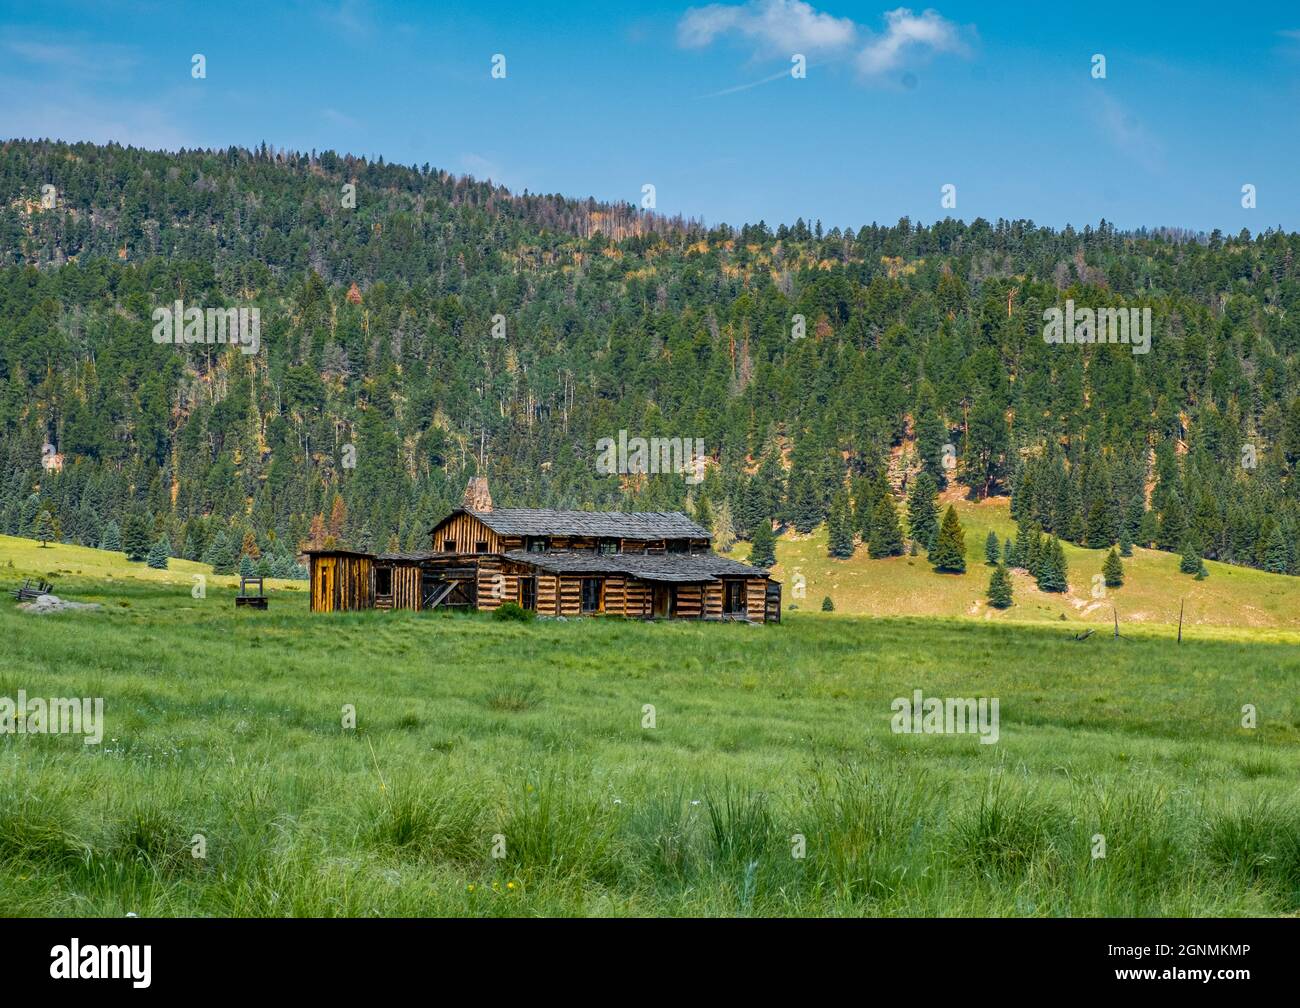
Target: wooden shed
341,580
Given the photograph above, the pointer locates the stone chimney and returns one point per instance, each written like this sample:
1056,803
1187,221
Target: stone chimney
477,497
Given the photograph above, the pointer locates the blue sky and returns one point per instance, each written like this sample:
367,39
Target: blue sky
697,99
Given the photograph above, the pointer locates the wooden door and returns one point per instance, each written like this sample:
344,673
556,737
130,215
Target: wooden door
325,584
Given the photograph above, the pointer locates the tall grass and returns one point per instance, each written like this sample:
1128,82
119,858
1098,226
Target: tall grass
500,768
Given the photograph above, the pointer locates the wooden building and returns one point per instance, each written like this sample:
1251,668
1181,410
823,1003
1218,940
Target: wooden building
341,579
649,565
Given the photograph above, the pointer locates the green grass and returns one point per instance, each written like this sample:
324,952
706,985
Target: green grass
473,732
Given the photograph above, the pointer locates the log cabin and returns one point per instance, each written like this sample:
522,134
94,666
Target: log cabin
647,565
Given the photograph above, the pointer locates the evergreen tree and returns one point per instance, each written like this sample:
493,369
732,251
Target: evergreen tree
218,547
43,527
194,543
1008,553
839,528
992,549
763,554
135,538
703,513
1000,588
158,556
724,533
806,509
1148,529
886,536
1096,529
949,553
1191,561
827,604
1125,542
246,568
1052,575
923,511
1275,552
1112,570
1173,526
112,539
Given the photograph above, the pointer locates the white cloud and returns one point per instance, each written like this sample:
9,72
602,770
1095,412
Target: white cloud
774,26
790,26
906,31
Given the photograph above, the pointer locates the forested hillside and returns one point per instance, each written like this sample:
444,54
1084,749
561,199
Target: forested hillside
378,348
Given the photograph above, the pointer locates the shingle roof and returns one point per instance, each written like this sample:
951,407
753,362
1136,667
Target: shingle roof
614,524
680,567
406,557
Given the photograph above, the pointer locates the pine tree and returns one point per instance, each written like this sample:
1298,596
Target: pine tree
827,604
949,553
1096,527
158,556
703,513
1112,570
724,533
194,544
1274,553
1000,588
43,527
1125,541
112,539
763,554
1148,529
839,528
1008,553
992,550
1191,561
886,536
1052,575
135,538
922,511
246,568
1173,526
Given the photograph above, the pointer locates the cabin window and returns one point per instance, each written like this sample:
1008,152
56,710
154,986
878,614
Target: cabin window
480,547
383,580
734,603
677,546
449,545
536,544
608,546
528,593
591,592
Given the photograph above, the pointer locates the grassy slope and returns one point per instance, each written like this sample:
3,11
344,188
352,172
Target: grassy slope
22,558
907,586
227,724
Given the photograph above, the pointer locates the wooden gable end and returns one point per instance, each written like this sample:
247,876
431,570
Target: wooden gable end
466,532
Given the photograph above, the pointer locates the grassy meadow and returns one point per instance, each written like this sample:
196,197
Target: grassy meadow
473,732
